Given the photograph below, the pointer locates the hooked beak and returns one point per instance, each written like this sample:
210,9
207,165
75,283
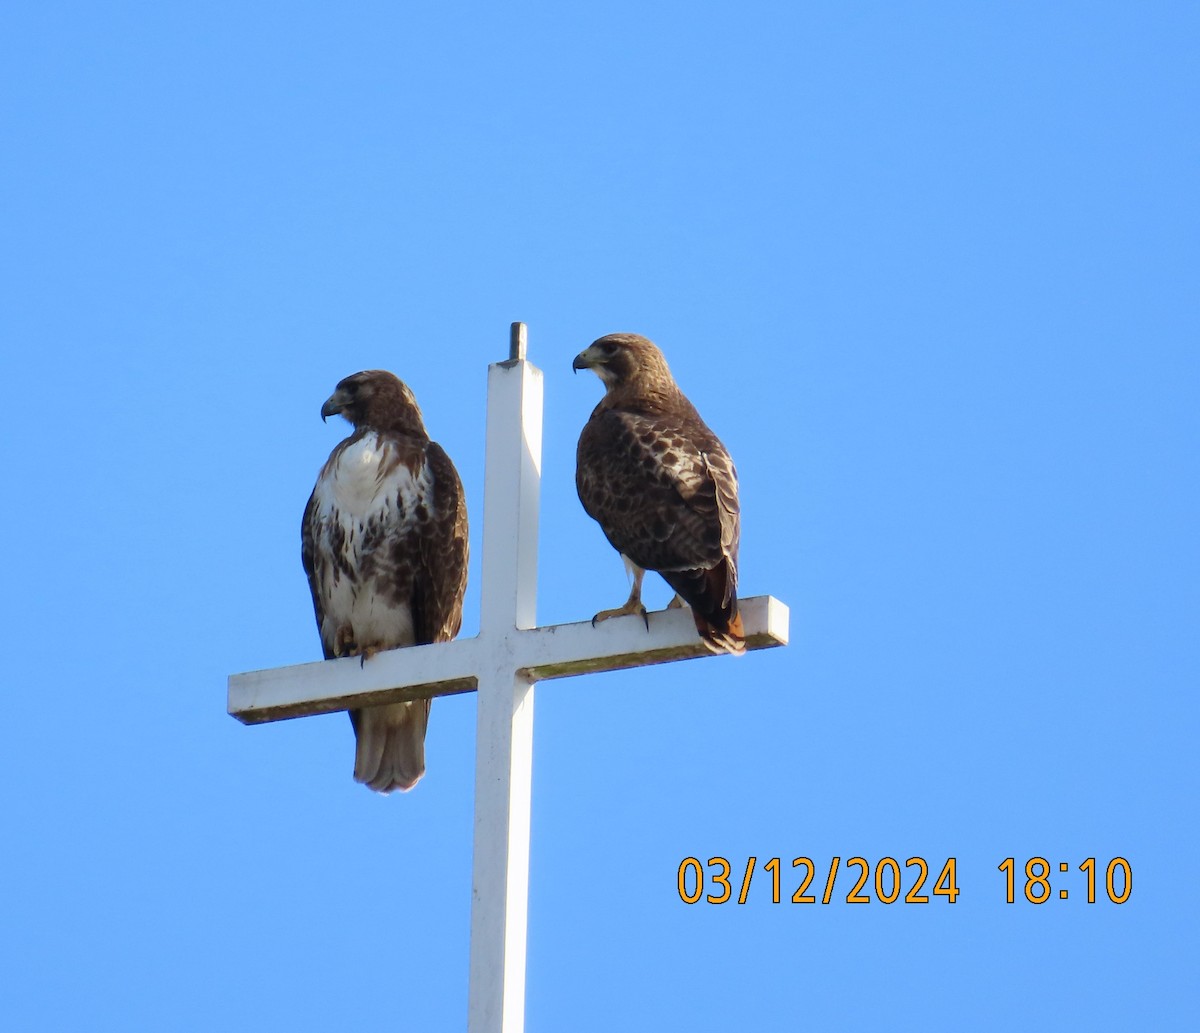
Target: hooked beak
334,404
589,358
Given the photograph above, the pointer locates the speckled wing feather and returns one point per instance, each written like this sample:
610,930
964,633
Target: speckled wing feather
646,479
441,572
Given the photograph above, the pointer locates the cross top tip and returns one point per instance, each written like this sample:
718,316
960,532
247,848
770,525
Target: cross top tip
518,342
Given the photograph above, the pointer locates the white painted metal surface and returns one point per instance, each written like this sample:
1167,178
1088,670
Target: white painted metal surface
503,662
504,727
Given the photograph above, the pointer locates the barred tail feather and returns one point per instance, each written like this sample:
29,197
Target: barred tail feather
390,749
730,639
712,595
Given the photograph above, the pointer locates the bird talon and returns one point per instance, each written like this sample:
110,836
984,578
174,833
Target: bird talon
628,610
632,605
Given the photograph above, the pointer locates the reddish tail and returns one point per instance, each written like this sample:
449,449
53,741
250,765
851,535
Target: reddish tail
712,595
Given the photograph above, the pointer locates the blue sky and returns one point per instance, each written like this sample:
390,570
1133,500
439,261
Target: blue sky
929,270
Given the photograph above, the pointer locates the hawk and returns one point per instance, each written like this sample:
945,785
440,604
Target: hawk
384,545
662,487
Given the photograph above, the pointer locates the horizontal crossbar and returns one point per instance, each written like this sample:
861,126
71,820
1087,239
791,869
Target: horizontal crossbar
448,668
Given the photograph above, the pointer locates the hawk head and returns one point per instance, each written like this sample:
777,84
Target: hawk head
622,360
377,399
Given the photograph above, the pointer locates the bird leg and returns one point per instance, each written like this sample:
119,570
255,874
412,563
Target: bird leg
676,603
633,605
343,641
344,644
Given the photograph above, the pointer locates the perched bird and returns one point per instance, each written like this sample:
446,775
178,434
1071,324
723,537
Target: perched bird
661,486
384,545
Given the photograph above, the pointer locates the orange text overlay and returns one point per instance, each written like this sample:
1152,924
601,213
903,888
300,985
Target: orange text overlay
857,880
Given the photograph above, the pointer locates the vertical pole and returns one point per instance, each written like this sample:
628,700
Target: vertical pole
504,726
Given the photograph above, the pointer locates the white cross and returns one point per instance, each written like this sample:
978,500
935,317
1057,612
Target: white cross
502,662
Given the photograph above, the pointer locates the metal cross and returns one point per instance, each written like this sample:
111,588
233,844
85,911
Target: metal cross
503,662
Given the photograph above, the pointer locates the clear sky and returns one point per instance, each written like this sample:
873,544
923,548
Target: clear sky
930,270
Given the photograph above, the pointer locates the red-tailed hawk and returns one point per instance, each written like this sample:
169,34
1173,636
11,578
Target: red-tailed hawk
661,486
384,545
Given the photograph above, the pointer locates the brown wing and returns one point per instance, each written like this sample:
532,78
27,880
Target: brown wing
309,557
661,486
723,476
440,575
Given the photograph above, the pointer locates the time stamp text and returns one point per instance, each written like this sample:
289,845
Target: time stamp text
856,880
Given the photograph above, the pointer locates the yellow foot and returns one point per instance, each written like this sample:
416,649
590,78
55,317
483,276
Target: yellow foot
630,608
367,653
677,603
633,604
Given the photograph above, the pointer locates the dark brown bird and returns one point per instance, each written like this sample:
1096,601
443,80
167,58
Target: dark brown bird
384,545
662,487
